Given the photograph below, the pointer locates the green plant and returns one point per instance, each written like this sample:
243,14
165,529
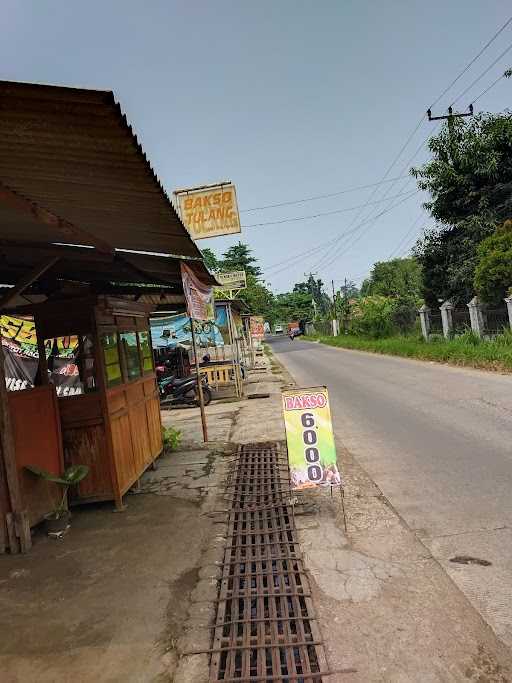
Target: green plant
72,476
372,317
469,338
171,438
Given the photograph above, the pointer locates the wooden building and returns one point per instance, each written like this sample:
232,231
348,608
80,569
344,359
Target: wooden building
88,242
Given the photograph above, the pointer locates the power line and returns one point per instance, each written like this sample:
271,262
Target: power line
338,254
319,196
484,92
411,135
345,234
502,54
317,215
361,235
403,240
297,256
489,42
448,87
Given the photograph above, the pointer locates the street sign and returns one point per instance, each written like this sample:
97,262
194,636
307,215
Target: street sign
209,211
310,439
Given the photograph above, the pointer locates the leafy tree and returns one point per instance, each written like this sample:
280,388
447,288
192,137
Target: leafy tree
210,260
239,257
469,179
258,298
493,273
315,288
449,258
399,277
296,305
349,290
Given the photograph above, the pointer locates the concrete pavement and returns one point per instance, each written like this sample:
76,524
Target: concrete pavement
437,442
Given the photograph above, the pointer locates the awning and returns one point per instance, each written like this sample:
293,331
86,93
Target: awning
72,171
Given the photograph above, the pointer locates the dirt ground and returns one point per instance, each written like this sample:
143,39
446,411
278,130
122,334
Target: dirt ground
107,602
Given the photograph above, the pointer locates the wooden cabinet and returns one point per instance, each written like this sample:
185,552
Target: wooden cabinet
115,427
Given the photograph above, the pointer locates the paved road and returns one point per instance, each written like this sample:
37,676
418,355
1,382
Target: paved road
437,440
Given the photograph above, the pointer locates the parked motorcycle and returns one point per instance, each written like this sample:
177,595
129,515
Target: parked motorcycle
174,391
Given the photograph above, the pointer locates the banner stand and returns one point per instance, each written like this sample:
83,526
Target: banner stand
342,497
199,383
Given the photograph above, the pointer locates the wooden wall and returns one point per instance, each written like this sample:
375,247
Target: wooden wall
37,437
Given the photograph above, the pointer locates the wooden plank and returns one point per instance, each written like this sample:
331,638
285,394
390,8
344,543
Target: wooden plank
3,534
40,446
14,547
7,442
27,280
22,524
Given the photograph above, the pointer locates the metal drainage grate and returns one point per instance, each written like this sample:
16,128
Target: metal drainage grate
265,628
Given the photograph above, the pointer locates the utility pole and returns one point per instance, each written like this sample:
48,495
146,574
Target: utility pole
334,310
450,117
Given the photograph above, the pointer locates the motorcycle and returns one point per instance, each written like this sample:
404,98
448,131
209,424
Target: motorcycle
184,391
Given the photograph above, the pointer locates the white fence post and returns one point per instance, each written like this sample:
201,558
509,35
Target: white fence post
446,317
424,312
508,301
476,316
335,330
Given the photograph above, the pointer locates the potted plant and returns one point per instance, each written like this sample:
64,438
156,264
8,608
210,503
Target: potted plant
58,520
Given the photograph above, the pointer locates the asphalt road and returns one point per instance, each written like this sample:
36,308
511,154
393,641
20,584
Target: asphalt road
437,440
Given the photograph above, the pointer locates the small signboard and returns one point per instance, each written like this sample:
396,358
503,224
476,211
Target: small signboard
310,439
257,327
209,211
236,279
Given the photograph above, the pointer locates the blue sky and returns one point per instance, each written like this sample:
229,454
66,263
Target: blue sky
288,99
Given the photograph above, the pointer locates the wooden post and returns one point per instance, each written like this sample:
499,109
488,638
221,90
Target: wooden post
199,384
234,351
7,451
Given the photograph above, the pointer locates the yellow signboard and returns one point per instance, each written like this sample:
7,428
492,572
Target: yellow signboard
310,439
209,211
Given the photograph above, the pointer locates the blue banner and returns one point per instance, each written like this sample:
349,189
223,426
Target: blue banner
175,329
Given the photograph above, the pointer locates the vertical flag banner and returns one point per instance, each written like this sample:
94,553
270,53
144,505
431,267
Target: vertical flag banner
310,439
199,296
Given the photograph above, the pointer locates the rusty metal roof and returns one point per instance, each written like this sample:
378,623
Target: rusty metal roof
69,158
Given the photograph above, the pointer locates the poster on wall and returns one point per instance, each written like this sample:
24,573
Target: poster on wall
21,357
209,211
199,297
172,330
310,439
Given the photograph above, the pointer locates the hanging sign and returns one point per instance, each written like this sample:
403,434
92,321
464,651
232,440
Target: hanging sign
257,326
310,439
199,297
234,280
209,211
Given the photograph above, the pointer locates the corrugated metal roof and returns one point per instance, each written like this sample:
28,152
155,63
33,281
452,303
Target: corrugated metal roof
71,152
